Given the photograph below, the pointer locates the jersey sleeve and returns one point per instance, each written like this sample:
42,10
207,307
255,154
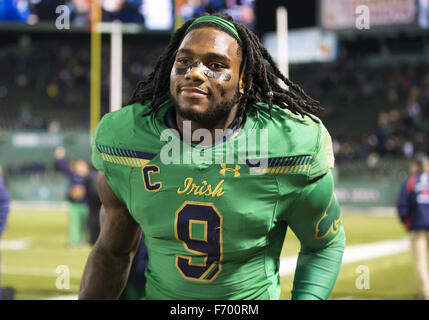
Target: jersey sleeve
323,159
315,220
113,176
96,158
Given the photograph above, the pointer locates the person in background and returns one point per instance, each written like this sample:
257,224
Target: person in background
416,165
4,212
413,210
76,173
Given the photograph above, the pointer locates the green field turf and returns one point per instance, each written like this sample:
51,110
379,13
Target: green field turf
32,271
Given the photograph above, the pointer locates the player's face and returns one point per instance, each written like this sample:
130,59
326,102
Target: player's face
204,80
414,168
81,168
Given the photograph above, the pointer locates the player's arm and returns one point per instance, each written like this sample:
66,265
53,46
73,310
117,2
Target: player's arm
107,269
315,220
60,160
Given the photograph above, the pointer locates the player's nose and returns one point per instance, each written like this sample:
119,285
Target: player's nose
196,74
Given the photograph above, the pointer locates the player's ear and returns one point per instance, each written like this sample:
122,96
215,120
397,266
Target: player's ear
241,84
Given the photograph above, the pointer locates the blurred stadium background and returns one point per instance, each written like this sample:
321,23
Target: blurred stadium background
374,84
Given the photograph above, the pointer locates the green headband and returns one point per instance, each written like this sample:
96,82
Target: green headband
222,22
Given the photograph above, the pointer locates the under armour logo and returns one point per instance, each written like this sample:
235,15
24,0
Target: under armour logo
225,169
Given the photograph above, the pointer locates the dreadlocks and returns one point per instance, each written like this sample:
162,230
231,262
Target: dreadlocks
260,78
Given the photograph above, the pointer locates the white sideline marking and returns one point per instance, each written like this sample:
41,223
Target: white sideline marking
352,254
34,271
14,244
39,205
390,212
356,253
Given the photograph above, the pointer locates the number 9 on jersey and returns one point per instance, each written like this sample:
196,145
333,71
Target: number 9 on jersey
198,226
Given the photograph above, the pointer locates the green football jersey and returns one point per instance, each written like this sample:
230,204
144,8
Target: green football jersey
215,218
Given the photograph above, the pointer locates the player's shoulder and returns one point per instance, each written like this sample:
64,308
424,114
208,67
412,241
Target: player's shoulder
290,132
125,138
128,131
122,125
283,118
297,136
122,119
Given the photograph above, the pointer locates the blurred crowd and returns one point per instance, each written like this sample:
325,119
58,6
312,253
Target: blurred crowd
241,10
372,112
47,83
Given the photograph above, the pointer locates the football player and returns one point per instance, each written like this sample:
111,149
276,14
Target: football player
215,225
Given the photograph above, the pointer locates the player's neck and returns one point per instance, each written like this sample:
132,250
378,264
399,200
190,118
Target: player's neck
212,126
